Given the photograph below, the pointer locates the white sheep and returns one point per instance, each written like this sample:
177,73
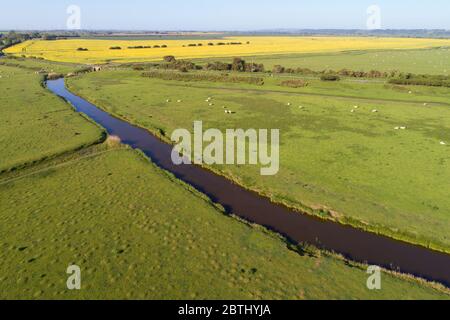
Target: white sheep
443,143
402,128
374,111
179,101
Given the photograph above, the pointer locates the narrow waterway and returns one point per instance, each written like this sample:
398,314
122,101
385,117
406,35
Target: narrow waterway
354,244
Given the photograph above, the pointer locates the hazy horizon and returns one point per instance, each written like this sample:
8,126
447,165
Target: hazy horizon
231,15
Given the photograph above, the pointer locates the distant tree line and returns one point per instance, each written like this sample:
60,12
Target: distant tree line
215,44
422,80
238,65
148,47
12,38
203,77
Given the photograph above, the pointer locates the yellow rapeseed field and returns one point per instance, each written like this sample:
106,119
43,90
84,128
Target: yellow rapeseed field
99,50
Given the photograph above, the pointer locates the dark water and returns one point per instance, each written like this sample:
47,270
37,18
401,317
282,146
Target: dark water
354,244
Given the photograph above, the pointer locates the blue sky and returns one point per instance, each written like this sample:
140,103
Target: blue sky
224,14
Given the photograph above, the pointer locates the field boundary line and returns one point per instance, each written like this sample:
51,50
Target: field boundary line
60,165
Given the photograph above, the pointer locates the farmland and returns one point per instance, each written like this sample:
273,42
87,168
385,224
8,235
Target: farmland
359,151
332,159
99,51
35,124
100,208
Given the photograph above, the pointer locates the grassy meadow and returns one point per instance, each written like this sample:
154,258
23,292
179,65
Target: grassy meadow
99,51
418,61
40,65
34,123
351,166
138,233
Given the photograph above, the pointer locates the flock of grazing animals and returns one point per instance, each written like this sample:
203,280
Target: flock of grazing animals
443,143
210,103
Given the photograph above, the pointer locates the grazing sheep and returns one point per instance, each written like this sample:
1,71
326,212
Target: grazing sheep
374,111
410,92
289,104
425,104
168,100
211,104
355,107
352,111
397,128
443,143
402,128
179,101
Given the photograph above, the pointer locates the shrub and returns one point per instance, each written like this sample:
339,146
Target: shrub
169,59
238,65
115,48
54,76
83,70
330,77
422,80
278,69
218,66
294,83
202,77
82,49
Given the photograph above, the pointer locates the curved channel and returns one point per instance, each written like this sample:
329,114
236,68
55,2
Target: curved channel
352,243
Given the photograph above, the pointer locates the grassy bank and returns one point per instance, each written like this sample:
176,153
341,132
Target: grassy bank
35,124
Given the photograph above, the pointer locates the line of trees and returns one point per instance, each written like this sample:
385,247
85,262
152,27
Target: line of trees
238,65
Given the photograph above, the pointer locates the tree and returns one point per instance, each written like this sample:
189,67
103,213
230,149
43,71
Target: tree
169,59
238,65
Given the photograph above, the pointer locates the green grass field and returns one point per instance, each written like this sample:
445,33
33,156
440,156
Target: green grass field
34,123
138,233
424,61
355,164
38,65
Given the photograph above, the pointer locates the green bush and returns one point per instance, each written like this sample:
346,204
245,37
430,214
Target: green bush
330,77
203,77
